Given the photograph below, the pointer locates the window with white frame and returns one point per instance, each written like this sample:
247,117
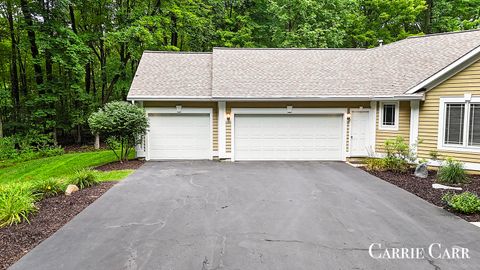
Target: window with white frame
460,123
389,114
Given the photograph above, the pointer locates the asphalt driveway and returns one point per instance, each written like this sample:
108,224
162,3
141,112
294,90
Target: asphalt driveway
252,215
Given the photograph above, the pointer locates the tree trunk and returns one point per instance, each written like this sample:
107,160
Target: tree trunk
79,134
13,63
174,39
427,19
97,141
33,43
1,128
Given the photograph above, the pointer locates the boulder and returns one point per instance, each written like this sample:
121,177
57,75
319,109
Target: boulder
421,170
71,189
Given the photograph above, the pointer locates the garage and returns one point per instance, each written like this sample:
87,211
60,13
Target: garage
179,136
288,137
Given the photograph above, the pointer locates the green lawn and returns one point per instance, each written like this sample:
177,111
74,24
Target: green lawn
60,166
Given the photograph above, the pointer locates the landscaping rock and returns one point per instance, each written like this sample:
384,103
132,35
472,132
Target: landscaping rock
71,189
438,186
421,171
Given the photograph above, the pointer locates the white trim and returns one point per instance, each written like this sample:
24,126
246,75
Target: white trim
467,100
222,129
305,98
373,124
341,111
397,115
185,110
414,122
466,165
370,142
447,72
140,149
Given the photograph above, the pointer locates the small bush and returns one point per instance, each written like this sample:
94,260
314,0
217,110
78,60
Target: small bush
466,202
84,178
16,204
452,172
398,155
396,164
375,164
47,188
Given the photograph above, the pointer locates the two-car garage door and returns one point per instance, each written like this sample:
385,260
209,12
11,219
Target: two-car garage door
254,137
288,137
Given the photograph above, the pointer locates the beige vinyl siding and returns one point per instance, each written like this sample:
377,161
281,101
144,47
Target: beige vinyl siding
191,104
466,81
403,127
299,104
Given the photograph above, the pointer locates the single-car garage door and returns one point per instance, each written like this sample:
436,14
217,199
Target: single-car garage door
179,136
288,137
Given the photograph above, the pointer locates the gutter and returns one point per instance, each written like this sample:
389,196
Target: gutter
312,98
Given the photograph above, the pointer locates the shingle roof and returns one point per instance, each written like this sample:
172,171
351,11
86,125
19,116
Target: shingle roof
173,74
268,73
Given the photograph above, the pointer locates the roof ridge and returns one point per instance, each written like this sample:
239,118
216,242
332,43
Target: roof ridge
176,52
281,49
443,33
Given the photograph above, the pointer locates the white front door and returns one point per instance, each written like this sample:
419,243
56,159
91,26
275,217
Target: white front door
359,135
288,137
179,136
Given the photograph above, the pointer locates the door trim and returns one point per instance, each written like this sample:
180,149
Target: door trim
290,111
371,138
183,111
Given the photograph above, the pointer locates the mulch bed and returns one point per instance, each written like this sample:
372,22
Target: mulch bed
113,166
423,188
53,213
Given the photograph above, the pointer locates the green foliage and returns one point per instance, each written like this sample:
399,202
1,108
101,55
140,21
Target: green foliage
375,164
84,178
16,204
122,122
466,202
452,172
433,154
398,155
47,188
27,147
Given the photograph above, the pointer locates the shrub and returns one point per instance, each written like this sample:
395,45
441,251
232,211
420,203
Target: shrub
465,202
84,178
122,122
396,164
7,148
452,172
398,155
47,188
375,164
16,204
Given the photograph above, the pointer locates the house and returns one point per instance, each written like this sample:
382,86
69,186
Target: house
313,104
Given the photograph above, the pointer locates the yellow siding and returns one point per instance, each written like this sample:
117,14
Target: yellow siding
403,128
466,81
299,104
212,105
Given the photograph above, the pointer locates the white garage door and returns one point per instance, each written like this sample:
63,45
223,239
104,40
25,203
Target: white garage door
288,137
179,136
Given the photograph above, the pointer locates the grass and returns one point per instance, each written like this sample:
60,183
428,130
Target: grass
59,167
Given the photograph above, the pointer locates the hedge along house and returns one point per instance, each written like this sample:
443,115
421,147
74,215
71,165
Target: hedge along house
313,104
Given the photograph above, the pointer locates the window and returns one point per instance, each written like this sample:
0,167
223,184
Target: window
460,124
454,123
474,125
389,115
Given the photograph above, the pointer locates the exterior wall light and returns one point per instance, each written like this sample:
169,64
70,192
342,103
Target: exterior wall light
228,116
